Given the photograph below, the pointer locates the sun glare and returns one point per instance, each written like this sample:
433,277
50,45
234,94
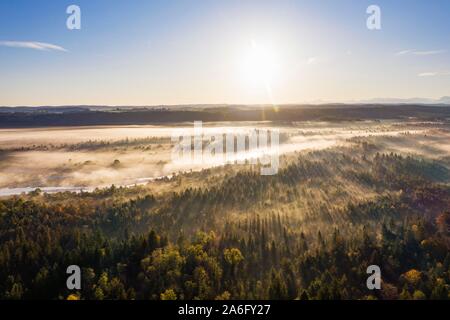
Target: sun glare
260,65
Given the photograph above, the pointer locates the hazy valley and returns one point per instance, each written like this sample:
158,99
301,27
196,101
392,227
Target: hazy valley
347,194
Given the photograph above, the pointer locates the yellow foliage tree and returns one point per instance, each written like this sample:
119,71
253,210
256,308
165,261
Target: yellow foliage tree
413,276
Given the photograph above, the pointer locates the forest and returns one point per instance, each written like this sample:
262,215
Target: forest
308,232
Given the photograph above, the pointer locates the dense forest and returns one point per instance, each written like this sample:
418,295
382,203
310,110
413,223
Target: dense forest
308,232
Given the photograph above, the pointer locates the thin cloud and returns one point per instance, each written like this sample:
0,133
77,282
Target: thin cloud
433,74
42,46
427,53
419,53
403,52
311,60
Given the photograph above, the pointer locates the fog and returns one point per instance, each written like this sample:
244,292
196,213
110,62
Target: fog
72,159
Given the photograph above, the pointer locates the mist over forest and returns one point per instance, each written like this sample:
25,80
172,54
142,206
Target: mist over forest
356,186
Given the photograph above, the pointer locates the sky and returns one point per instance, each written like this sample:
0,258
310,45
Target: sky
145,52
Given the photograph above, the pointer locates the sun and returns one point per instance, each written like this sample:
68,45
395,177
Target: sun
260,65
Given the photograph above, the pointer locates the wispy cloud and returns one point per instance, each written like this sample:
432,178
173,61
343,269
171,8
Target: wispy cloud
434,74
419,53
42,46
427,53
312,60
403,52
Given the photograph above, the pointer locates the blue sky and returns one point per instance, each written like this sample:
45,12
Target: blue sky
175,52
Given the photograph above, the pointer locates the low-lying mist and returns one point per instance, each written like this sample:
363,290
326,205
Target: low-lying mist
92,157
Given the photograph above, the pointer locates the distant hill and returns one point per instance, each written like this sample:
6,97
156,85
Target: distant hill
63,109
80,116
442,100
71,109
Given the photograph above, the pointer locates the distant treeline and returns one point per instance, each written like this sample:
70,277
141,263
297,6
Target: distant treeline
86,117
